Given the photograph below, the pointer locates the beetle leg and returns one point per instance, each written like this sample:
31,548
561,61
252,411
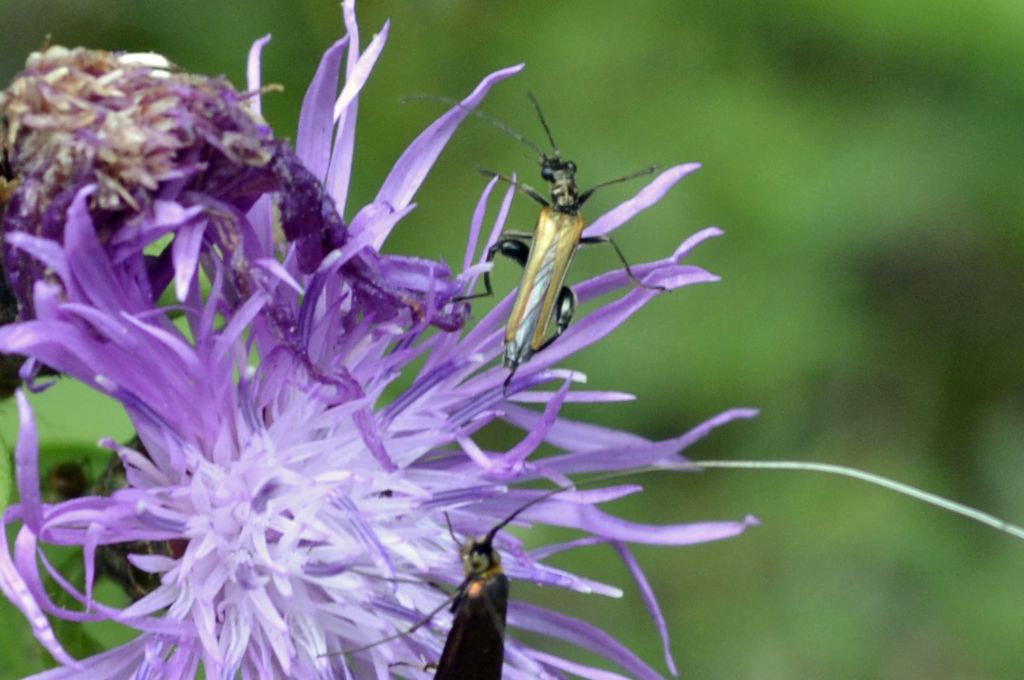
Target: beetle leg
508,381
564,309
593,240
508,245
522,188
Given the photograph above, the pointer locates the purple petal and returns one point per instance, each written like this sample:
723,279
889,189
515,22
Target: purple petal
412,166
580,634
620,450
18,591
650,601
316,119
696,239
357,75
592,328
340,172
546,551
185,254
164,217
575,668
252,73
663,273
26,455
591,520
476,222
279,272
371,226
119,662
574,435
535,436
92,278
368,430
171,342
43,249
575,397
648,196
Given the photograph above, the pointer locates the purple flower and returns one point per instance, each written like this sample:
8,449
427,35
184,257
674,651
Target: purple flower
156,152
306,507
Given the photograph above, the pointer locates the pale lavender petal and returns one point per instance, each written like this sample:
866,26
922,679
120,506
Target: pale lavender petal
604,449
340,172
92,278
372,224
578,397
26,456
476,222
185,253
593,327
43,249
357,75
536,435
238,324
252,73
171,342
555,548
579,634
575,668
164,217
412,167
279,272
648,196
316,119
21,596
665,273
590,519
689,244
572,434
115,664
650,601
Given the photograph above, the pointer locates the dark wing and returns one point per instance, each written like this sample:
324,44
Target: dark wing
475,649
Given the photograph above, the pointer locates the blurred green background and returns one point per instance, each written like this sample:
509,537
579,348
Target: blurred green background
865,161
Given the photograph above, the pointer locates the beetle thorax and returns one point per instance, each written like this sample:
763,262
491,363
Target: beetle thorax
565,195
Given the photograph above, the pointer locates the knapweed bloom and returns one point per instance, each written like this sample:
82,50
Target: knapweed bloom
159,152
305,497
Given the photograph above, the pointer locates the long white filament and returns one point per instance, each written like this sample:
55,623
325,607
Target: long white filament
898,487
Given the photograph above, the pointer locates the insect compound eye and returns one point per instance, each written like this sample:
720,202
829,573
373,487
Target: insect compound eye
547,173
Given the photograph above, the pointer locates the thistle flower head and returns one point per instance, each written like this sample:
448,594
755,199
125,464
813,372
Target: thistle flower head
160,153
307,509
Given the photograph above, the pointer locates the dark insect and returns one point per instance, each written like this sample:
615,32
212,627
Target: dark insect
547,253
475,647
65,481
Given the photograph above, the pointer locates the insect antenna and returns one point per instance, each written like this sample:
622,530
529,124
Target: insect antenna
532,502
451,531
536,105
633,175
481,115
639,173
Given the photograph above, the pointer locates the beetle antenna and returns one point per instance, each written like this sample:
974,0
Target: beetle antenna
451,531
536,105
639,173
522,508
479,114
